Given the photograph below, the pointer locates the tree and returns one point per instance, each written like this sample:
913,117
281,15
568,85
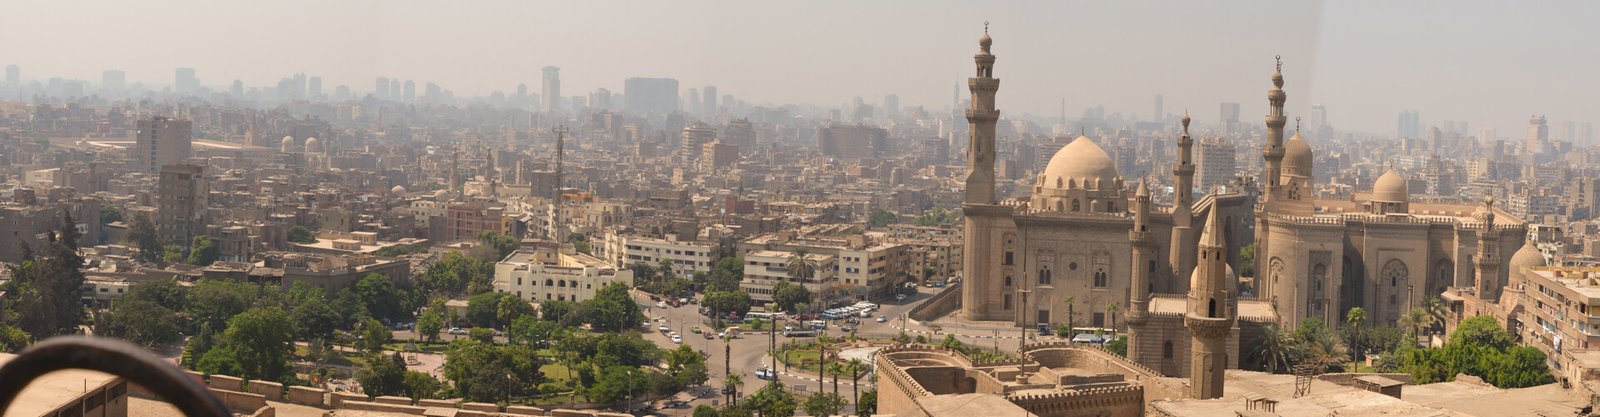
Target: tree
485,372
733,381
455,274
299,234
558,311
378,294
142,322
420,385
374,335
867,403
1247,260
142,234
772,401
383,375
611,309
502,244
429,325
789,296
1111,312
48,288
880,218
703,410
482,309
823,404
313,317
260,341
202,251
216,301
1118,346
1481,348
1275,352
1071,301
1416,320
736,302
12,339
173,254
617,383
1354,337
1437,311
109,214
686,367
857,368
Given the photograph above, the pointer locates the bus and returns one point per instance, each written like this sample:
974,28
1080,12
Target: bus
751,316
799,333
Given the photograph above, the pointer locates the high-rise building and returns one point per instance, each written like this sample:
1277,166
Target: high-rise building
1409,124
113,80
185,81
314,88
13,75
380,89
1569,133
1538,134
181,203
1587,137
1486,137
1217,164
853,142
237,89
709,100
1160,112
891,106
600,99
552,89
410,92
691,102
394,89
1319,117
161,141
1230,118
650,95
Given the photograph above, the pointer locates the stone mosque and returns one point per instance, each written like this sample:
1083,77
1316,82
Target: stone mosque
1080,235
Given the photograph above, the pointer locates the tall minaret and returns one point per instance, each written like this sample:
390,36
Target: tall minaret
1182,261
1488,259
1272,151
489,173
1211,315
1138,306
981,118
455,171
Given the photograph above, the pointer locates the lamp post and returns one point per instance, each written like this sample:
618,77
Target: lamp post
1024,295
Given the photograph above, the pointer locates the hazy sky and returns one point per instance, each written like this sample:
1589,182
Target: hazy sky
1489,63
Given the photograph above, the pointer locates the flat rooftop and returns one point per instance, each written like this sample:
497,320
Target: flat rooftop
53,390
1458,398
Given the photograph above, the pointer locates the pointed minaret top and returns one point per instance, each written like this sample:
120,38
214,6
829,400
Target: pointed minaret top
1144,189
984,41
1212,235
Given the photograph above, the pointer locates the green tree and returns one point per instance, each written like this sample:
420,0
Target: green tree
173,254
867,403
1276,351
374,335
485,372
1481,348
1247,260
429,325
558,311
47,289
823,404
703,410
142,322
611,309
313,317
736,302
12,339
1354,336
456,274
202,251
420,385
260,340
383,375
142,234
1072,300
772,401
378,294
109,214
616,383
789,296
686,367
880,218
215,301
299,234
1118,346
502,244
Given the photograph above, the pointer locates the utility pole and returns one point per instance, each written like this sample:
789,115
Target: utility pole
1025,312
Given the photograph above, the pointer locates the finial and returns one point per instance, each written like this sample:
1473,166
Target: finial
1297,124
1279,59
985,26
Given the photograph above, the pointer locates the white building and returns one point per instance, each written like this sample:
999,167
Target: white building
547,274
763,269
686,257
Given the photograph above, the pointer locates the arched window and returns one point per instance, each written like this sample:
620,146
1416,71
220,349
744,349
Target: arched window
1166,350
1008,280
1211,308
549,282
1044,275
1075,205
561,283
1100,278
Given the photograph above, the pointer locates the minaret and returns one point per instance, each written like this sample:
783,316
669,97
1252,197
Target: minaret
1272,151
1182,261
455,171
1488,259
1210,316
488,170
1139,288
981,118
561,140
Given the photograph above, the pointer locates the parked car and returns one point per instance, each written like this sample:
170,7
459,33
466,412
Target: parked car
847,329
677,339
1044,329
663,328
882,319
661,304
457,330
695,329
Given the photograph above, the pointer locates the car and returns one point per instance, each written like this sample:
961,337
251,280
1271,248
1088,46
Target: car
457,330
709,336
767,374
882,319
1044,329
677,339
654,297
661,304
694,301
900,297
695,329
847,329
663,328
662,319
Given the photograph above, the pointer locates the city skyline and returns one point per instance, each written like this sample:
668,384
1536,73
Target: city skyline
1342,55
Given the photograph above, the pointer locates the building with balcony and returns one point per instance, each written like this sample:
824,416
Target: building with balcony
547,273
764,269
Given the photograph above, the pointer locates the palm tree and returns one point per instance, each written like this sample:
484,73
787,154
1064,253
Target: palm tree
1111,311
835,368
1415,320
733,381
1435,308
856,366
1071,299
1276,351
1355,318
800,270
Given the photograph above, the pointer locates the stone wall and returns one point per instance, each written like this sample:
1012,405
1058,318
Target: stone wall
941,304
524,410
439,403
239,402
337,399
1348,379
391,399
381,407
485,407
272,390
308,396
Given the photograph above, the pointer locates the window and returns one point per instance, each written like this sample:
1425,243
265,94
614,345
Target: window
1044,275
1072,266
1009,259
1101,278
1006,300
1166,350
1008,280
1075,205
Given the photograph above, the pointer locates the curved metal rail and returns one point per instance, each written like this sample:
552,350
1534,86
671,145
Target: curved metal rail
112,356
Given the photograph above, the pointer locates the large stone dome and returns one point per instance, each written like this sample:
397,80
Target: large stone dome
1080,164
1391,187
1297,156
1526,257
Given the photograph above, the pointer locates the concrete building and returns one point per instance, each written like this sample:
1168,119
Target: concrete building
467,220
160,141
650,95
1051,380
182,196
73,392
853,142
716,155
546,273
686,257
1216,163
550,95
764,269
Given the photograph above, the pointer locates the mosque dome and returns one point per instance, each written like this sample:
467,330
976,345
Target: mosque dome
1297,156
1227,271
397,190
287,145
984,41
1528,256
441,194
312,146
1082,164
1391,187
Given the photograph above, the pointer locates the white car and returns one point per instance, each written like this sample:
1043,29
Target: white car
661,304
676,338
663,328
882,319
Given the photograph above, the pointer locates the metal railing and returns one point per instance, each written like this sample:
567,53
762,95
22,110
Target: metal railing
111,356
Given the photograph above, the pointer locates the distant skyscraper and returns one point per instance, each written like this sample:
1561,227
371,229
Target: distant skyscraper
891,105
1570,132
238,88
410,92
1587,138
1216,164
185,81
1160,111
708,98
1409,124
1538,134
113,80
1230,118
1486,137
650,95
160,141
552,89
600,99
314,88
1319,117
394,89
380,89
13,75
342,92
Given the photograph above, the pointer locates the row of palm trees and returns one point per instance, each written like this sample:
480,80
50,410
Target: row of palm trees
1280,351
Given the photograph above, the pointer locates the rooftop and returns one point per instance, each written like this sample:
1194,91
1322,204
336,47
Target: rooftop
53,390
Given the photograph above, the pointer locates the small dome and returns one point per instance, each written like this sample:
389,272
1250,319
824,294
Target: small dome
287,141
1082,161
397,190
1185,121
1526,257
312,145
984,41
1277,79
1391,187
1297,156
441,194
